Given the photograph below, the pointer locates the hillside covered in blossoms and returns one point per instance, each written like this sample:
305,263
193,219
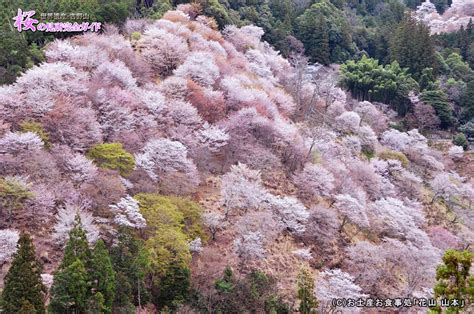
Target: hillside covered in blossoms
173,167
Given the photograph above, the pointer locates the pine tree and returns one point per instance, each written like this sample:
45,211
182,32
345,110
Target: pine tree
69,292
77,247
468,102
71,286
130,262
412,47
173,288
438,100
454,280
24,289
103,275
308,302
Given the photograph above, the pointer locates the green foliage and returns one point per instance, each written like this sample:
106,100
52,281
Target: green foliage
461,140
438,100
412,46
254,293
368,152
325,33
391,154
366,79
71,287
226,283
77,247
427,79
135,36
69,292
85,280
468,129
192,211
130,262
13,194
24,290
112,156
172,222
175,211
467,102
305,285
35,127
215,9
454,280
173,289
458,69
96,304
103,276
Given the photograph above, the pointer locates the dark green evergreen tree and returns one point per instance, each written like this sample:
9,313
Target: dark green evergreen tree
70,290
454,281
308,302
412,47
103,276
173,289
24,289
77,246
71,284
438,100
467,102
130,263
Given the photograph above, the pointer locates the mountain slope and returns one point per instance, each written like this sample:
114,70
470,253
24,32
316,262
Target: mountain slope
288,169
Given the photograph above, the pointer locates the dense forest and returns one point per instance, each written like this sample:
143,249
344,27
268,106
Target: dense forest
237,157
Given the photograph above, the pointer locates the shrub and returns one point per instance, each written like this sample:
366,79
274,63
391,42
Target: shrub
391,154
112,156
461,140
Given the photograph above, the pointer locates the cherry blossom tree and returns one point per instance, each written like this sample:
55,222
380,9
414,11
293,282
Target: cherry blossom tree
214,222
352,210
337,284
393,267
81,57
371,115
364,175
195,246
74,126
163,160
249,246
291,213
390,216
348,121
200,67
212,137
8,241
127,213
15,143
209,103
163,50
314,180
443,239
242,189
175,87
114,73
43,83
395,139
65,222
243,38
446,185
322,227
80,169
263,221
